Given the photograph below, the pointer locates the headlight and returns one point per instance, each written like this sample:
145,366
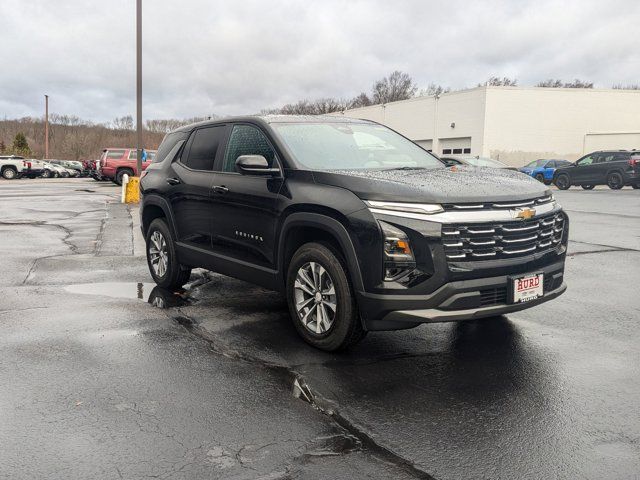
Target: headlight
398,257
422,208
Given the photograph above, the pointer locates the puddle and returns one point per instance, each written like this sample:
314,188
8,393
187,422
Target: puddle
147,292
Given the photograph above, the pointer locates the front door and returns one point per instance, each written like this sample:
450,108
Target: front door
189,189
245,206
585,170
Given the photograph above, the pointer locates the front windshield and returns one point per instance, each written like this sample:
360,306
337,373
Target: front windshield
536,163
352,146
485,162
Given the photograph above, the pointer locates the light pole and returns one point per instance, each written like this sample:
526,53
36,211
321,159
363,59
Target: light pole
46,126
139,84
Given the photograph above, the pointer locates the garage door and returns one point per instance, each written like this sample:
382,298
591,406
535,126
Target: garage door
611,141
455,146
426,144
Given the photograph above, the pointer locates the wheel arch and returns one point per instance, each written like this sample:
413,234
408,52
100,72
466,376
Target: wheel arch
302,227
154,206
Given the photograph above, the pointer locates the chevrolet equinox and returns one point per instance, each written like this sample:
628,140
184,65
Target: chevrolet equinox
359,227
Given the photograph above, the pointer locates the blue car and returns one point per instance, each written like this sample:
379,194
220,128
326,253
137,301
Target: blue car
542,170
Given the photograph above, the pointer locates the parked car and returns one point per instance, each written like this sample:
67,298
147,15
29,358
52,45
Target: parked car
359,227
55,170
543,170
36,168
475,161
116,162
73,168
615,168
13,166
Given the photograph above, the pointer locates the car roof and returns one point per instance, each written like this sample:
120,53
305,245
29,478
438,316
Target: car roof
271,119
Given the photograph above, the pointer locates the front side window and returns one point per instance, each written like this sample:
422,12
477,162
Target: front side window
246,140
204,146
352,146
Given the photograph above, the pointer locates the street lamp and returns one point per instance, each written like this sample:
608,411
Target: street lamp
46,127
139,85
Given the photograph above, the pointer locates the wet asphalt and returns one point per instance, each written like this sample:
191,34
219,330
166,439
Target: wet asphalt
100,383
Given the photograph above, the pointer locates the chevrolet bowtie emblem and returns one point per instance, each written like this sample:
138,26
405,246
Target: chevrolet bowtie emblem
525,213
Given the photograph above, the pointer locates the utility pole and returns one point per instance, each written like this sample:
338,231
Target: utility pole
46,126
139,84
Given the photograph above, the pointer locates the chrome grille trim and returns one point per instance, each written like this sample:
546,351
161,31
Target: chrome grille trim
477,242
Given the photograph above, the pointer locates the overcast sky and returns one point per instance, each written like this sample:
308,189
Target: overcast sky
234,57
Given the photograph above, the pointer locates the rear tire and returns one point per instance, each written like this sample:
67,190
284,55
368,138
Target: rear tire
562,181
161,257
635,186
46,174
121,173
321,300
615,181
587,187
539,177
9,173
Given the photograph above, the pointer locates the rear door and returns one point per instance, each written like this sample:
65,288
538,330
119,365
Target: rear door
189,185
245,206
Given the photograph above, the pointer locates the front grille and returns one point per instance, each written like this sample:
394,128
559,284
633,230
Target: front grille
497,205
493,296
488,241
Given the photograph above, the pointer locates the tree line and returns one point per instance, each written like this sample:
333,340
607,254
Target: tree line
72,138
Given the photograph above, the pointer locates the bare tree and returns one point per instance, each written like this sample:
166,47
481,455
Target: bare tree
577,83
123,123
550,83
361,100
434,90
632,86
500,82
397,86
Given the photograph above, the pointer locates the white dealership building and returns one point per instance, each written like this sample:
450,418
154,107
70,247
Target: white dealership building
516,124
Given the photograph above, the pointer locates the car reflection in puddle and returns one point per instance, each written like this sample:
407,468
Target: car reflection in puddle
163,298
149,292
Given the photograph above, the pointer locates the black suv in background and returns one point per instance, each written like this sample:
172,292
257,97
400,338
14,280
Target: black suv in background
615,168
359,227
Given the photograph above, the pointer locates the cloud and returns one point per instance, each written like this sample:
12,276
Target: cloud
202,57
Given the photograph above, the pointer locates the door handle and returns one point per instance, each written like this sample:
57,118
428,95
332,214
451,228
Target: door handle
173,181
220,189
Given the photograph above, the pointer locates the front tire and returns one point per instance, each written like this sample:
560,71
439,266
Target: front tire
588,187
562,181
161,257
540,177
321,300
615,181
46,174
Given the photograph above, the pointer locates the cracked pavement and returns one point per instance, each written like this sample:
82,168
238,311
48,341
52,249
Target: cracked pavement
97,383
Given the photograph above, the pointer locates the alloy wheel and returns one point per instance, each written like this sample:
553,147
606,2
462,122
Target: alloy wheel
315,298
158,254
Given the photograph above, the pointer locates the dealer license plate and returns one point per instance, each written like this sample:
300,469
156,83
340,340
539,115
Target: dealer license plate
528,287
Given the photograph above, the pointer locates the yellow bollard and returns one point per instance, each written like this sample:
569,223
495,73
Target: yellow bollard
132,192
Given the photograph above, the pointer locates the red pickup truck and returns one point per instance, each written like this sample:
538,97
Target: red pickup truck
114,163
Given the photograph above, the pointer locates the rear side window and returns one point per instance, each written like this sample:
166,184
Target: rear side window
204,146
246,140
115,154
170,140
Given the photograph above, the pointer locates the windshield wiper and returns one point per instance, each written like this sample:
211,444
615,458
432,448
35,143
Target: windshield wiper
407,168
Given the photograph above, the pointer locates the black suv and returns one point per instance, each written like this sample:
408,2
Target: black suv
359,227
615,168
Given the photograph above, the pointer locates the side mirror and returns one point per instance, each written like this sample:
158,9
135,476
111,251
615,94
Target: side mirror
254,165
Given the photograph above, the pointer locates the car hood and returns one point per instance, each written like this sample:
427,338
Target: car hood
440,185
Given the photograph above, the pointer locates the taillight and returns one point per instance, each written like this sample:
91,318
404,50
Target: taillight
27,165
634,162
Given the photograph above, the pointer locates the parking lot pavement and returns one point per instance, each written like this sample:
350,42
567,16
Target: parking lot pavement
103,385
197,389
